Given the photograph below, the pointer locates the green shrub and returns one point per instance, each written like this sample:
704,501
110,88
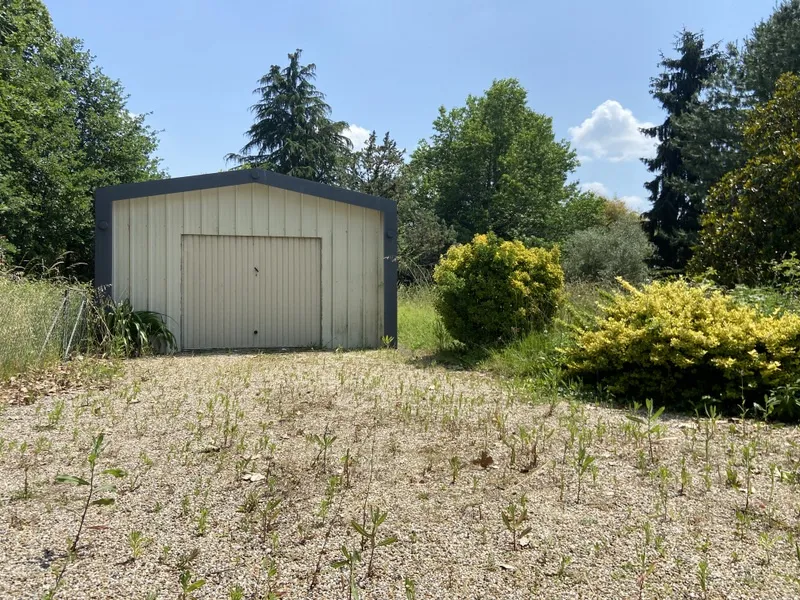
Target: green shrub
492,290
602,253
128,332
679,344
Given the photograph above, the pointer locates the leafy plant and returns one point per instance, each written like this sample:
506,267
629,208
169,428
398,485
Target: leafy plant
137,542
490,289
129,332
349,561
369,534
514,516
90,484
323,443
652,428
680,343
92,490
189,584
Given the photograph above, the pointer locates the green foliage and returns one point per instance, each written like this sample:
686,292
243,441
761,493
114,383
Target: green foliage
495,165
753,214
131,332
64,131
683,344
708,133
673,220
376,169
419,326
29,305
772,50
604,252
491,290
293,133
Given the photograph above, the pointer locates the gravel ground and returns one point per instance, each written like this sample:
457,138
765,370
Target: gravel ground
211,443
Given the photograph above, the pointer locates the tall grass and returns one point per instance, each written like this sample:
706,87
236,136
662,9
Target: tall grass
418,325
532,355
27,309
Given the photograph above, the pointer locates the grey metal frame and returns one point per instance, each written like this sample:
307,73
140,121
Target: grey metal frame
105,197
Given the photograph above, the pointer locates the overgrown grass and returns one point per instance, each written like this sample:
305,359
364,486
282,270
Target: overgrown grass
28,308
533,355
417,321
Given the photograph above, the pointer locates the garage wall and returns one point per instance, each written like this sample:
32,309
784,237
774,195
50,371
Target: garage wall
147,250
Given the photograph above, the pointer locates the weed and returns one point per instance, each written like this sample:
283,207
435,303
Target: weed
330,493
369,535
565,562
584,463
686,477
92,489
236,593
137,543
189,584
748,457
514,516
410,588
664,476
323,443
652,428
202,522
349,561
455,468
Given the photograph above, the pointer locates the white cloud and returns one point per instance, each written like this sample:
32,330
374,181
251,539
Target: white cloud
598,188
357,135
612,133
636,203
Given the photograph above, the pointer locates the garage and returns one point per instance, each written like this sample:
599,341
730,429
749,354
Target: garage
252,259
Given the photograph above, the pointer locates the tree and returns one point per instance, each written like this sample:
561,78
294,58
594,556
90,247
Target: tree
753,214
293,133
673,221
772,49
376,169
708,134
64,131
495,165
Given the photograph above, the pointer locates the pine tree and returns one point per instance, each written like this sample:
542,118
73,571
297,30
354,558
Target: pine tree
673,221
293,133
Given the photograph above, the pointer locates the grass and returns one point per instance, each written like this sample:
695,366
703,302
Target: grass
29,307
420,331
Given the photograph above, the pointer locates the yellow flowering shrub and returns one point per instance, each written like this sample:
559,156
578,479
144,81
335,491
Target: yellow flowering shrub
491,290
677,343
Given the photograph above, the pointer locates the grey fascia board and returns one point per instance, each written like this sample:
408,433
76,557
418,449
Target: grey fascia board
106,196
239,177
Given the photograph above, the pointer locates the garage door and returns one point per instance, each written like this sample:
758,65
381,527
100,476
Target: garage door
250,292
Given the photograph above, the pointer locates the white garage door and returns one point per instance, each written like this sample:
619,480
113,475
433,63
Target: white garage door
250,292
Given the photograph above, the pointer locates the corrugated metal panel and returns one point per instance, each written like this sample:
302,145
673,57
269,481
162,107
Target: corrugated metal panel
147,257
251,292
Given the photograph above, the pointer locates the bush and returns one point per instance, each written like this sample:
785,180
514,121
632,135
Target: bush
128,332
679,344
602,253
491,290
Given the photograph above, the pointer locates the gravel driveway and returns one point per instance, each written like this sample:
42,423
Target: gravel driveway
244,473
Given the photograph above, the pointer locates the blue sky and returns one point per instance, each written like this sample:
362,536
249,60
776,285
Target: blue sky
390,65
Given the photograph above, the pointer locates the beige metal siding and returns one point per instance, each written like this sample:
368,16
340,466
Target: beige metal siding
147,235
251,292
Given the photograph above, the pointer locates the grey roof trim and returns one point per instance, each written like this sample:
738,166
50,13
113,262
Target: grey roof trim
240,177
105,197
